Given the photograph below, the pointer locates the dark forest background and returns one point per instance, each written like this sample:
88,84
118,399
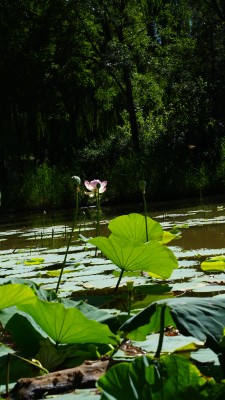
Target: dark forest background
119,90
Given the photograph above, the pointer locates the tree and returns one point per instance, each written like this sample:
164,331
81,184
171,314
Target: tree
121,49
46,86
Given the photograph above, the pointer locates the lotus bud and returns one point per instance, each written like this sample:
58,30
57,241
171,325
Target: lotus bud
98,185
142,186
76,180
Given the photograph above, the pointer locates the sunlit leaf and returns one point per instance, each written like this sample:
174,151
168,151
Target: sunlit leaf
34,261
167,237
56,272
214,264
42,293
14,294
158,260
132,227
67,325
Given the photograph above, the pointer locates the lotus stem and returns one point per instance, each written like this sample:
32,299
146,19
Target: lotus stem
34,364
98,213
130,285
7,376
52,237
142,185
98,216
120,277
70,238
146,216
161,333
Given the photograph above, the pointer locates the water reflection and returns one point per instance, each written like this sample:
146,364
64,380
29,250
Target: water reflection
206,223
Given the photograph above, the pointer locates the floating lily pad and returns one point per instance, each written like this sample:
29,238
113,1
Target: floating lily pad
98,272
5,350
181,274
78,394
170,343
214,264
188,286
210,289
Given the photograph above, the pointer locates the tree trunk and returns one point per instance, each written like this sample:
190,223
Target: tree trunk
131,110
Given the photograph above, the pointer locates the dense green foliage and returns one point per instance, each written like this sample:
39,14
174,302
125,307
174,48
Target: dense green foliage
102,89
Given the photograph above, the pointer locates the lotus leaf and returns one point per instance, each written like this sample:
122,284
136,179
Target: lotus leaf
203,319
168,236
67,325
214,264
158,260
171,377
14,294
34,261
132,227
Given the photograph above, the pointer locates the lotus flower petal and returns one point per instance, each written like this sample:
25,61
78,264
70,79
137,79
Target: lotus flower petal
103,187
88,185
92,186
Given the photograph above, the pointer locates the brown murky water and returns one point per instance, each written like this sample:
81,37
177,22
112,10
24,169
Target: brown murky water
206,223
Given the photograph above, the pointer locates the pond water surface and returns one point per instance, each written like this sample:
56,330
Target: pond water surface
33,246
206,222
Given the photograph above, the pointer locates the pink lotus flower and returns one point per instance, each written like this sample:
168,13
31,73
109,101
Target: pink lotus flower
95,186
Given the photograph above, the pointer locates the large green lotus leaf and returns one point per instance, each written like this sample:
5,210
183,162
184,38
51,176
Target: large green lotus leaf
107,316
14,294
203,319
133,227
171,377
158,260
67,325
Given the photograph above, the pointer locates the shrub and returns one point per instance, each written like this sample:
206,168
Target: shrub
45,186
